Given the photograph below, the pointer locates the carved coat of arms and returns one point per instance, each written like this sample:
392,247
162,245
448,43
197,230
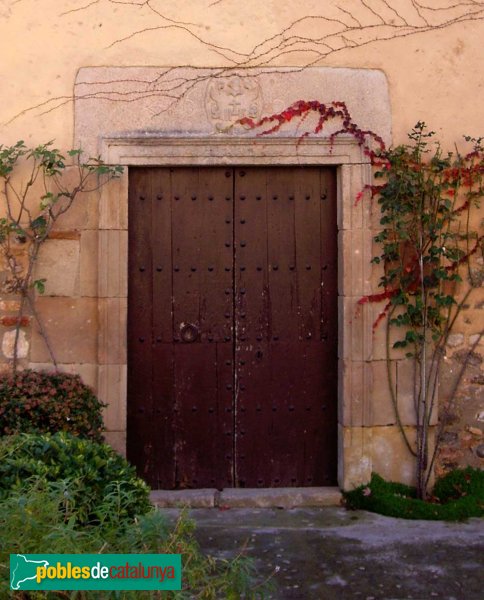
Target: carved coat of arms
230,98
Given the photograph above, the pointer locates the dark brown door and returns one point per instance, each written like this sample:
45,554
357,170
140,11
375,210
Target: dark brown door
232,326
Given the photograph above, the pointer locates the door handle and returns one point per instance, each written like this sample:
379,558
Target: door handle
189,332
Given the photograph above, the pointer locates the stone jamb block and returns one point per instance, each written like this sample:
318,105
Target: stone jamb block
377,271
355,456
113,210
355,393
116,439
113,390
113,313
355,213
72,327
355,272
113,264
355,329
88,275
364,394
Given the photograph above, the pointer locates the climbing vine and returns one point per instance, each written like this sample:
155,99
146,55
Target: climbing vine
428,201
31,210
327,30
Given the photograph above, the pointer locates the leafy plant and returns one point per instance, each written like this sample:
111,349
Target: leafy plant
30,223
459,484
32,401
427,244
458,495
39,519
90,472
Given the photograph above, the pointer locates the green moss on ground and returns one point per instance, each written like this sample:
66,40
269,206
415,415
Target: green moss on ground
457,496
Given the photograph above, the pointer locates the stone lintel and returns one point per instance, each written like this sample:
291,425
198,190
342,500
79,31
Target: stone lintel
212,100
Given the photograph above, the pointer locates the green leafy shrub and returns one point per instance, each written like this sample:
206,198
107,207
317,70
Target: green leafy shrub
428,244
33,401
457,496
459,484
93,475
31,523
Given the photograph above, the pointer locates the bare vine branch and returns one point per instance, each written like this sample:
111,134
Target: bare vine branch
340,28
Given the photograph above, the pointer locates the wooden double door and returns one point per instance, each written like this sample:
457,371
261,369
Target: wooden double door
232,326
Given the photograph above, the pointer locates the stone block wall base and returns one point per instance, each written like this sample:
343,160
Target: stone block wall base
116,439
382,450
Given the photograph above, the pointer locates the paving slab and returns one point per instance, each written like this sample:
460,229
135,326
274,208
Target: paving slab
280,497
247,497
202,498
334,554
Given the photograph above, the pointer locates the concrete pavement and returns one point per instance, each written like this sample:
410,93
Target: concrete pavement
333,554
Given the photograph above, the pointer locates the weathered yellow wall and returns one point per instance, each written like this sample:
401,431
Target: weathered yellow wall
434,75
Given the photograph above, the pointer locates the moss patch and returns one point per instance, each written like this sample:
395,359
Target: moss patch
457,496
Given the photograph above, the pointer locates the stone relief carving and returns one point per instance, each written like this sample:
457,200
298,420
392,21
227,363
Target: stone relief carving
229,99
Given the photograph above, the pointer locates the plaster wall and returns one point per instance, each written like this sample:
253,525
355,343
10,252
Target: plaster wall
432,60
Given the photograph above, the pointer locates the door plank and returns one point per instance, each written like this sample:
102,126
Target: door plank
308,242
253,431
216,255
186,239
140,435
202,295
163,415
203,434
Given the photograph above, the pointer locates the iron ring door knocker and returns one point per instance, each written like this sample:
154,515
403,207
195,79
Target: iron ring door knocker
189,332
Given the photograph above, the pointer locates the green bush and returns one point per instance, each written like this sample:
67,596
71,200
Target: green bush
457,496
32,401
459,484
93,474
31,523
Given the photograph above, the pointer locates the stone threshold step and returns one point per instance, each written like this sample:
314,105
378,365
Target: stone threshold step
247,498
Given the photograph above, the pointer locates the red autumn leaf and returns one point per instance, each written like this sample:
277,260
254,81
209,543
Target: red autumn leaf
381,316
377,297
287,115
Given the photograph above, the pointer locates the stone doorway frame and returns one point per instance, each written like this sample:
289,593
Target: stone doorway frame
356,276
